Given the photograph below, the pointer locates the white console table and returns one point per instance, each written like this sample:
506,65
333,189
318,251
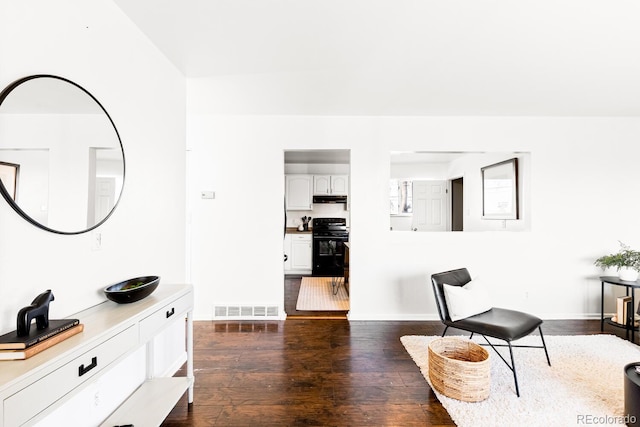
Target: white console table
33,388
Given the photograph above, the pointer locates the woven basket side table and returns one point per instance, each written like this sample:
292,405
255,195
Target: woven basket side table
460,369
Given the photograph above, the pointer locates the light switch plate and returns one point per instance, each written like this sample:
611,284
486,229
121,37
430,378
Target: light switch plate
208,194
96,240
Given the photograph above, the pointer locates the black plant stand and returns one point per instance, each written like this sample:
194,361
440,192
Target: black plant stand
630,290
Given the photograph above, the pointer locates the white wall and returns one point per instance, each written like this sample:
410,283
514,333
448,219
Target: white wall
419,171
582,169
96,46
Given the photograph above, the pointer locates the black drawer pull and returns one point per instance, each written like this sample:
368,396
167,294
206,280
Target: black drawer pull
82,370
171,312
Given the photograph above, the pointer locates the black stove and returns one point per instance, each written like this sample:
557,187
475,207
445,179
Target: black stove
330,227
329,236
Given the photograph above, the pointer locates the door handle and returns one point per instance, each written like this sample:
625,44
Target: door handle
171,312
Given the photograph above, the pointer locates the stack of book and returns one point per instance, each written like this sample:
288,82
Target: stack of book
13,347
624,312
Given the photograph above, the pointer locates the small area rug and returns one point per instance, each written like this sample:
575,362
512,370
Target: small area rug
584,384
316,294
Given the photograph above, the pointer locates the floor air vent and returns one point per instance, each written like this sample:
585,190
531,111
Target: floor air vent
244,312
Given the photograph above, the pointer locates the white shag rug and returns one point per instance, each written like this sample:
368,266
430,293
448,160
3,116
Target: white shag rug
584,384
316,294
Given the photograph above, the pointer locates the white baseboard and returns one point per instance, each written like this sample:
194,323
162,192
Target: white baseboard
409,317
392,317
434,316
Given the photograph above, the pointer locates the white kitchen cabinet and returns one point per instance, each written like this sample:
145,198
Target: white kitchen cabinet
321,184
340,185
300,253
299,192
287,253
33,389
335,185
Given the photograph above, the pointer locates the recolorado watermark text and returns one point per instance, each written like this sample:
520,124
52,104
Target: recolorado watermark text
605,419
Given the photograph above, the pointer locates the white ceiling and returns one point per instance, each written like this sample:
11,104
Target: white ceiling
406,57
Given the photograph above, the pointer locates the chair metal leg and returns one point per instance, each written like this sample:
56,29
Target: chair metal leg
513,368
544,345
445,330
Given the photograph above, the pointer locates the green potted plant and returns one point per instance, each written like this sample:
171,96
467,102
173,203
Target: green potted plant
626,261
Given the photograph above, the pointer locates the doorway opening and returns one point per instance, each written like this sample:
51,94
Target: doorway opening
457,204
317,224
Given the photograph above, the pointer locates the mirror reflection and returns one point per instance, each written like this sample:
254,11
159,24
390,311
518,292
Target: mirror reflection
443,191
68,157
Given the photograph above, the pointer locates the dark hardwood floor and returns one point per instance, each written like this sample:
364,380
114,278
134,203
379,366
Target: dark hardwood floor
317,372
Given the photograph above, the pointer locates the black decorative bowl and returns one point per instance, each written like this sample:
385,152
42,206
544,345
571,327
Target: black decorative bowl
132,290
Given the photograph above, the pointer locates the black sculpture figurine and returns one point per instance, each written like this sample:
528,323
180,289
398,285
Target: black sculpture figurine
39,310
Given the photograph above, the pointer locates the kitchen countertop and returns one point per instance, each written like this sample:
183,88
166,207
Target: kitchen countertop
294,230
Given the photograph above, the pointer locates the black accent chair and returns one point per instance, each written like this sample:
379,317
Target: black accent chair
500,323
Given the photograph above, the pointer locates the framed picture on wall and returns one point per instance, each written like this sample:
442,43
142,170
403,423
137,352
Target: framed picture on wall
500,190
9,177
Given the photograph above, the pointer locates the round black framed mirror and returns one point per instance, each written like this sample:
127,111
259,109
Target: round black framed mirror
62,161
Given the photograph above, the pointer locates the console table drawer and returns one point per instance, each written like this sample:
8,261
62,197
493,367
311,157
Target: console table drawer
151,324
28,402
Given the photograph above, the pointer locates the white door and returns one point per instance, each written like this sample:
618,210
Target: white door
105,197
429,206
